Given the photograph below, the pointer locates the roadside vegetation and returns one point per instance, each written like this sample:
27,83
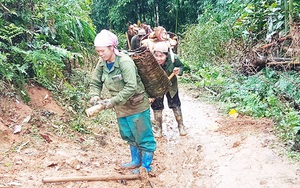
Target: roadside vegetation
215,49
51,43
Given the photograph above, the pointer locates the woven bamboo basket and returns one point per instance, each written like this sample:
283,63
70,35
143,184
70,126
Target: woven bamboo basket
154,78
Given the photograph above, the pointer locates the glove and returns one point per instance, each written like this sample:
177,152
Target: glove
107,103
94,100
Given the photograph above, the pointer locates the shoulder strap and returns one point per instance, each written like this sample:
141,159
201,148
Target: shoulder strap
172,54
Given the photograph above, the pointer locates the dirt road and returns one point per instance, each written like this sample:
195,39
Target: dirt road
223,152
218,152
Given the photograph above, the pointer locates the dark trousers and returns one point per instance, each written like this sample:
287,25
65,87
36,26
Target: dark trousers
174,102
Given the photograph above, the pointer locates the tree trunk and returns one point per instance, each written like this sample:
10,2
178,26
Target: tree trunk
290,13
156,13
176,22
286,11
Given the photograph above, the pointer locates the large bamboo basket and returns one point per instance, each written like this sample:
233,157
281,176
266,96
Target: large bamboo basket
154,78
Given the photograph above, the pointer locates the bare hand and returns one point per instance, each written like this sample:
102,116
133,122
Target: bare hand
176,70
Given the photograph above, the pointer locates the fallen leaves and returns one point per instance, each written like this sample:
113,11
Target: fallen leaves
46,137
18,128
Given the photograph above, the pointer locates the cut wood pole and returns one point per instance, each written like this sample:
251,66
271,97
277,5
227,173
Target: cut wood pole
171,75
94,110
128,42
284,63
143,176
279,40
91,178
279,59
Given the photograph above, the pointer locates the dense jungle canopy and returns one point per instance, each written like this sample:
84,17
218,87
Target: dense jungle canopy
221,43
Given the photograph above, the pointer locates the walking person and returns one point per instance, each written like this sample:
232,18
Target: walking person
170,64
146,27
118,73
129,34
136,40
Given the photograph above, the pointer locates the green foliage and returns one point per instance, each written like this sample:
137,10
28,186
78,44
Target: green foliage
68,22
37,38
252,19
9,33
200,46
261,19
251,95
205,51
15,73
211,56
11,70
79,125
74,93
6,70
211,76
48,63
171,14
267,94
122,41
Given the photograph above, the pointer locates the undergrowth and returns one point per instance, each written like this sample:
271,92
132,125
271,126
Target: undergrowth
212,65
267,94
73,95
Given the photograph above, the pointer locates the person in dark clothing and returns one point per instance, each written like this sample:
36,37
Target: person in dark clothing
129,34
147,28
136,40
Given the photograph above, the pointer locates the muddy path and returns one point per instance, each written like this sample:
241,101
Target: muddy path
222,152
218,152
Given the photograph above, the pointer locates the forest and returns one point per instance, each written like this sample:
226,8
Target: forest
242,54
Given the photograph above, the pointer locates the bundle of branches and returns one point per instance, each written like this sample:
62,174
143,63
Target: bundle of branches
281,53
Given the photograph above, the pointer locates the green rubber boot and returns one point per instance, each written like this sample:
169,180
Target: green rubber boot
157,126
178,116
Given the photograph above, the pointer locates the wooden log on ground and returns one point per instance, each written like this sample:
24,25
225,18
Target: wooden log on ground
91,178
143,176
284,63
